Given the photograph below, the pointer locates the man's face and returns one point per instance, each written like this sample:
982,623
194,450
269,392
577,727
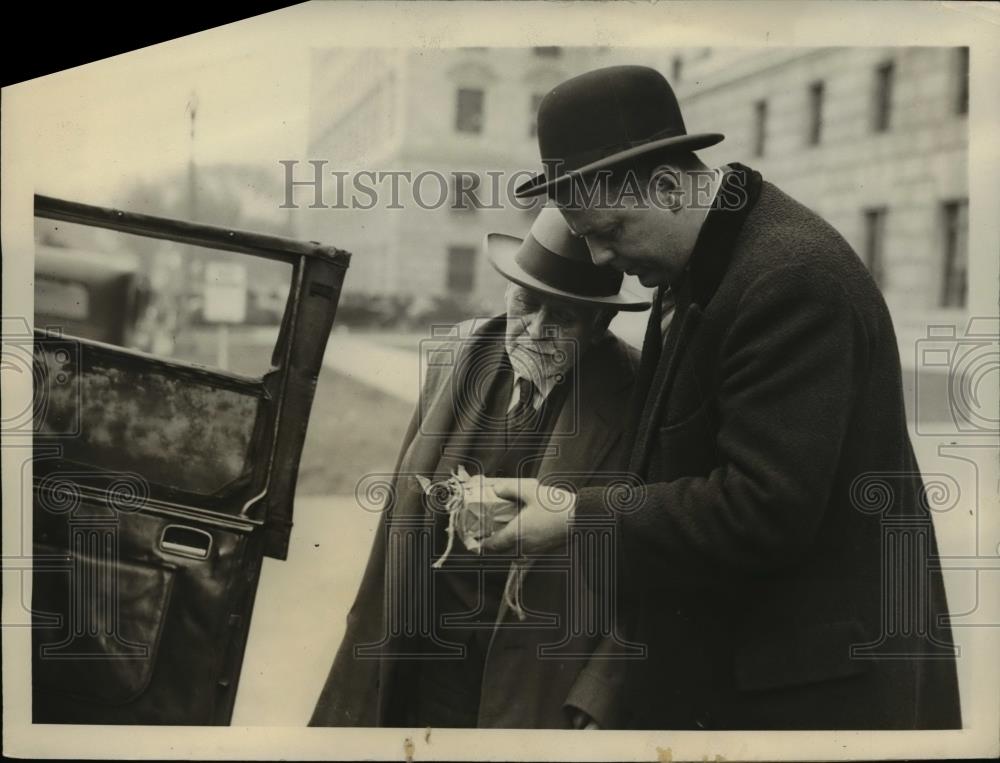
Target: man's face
641,239
544,332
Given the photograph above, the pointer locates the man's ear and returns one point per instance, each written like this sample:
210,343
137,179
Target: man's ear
668,190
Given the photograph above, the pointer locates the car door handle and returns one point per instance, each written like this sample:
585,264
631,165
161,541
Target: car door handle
186,541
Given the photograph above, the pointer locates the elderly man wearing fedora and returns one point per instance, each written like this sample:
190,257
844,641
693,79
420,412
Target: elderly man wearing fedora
538,391
779,563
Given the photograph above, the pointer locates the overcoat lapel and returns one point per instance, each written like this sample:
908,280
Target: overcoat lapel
439,418
663,380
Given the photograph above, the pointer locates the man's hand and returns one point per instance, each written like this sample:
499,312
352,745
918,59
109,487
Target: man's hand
544,519
581,720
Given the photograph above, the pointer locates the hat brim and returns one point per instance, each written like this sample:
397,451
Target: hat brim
541,184
502,249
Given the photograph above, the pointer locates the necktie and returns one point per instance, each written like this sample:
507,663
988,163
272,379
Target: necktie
680,297
522,416
667,310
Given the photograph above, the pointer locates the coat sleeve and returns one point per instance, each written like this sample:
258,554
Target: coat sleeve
598,688
788,369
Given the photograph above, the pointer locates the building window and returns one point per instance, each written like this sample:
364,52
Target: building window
536,101
816,92
874,251
551,51
962,81
469,110
461,269
882,102
955,225
759,127
676,70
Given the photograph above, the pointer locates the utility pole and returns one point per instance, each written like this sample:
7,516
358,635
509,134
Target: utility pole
192,109
201,264
191,265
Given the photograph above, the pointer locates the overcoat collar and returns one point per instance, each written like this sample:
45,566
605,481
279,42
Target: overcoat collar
713,249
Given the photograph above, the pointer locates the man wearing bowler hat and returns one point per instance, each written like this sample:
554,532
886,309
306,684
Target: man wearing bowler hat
540,391
779,562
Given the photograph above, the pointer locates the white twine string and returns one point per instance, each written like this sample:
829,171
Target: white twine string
512,592
453,505
512,589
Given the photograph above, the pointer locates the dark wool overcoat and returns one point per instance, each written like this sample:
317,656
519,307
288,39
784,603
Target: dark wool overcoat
780,562
520,689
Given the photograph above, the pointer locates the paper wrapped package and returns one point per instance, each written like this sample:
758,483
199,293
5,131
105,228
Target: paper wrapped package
475,511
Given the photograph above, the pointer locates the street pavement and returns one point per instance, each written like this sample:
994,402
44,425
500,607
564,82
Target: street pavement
301,611
388,369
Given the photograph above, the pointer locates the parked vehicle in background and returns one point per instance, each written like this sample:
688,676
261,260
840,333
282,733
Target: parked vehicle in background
96,295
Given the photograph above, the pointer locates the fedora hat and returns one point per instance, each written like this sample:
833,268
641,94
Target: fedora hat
551,260
605,117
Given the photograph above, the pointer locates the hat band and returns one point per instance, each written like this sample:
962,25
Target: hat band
564,274
591,155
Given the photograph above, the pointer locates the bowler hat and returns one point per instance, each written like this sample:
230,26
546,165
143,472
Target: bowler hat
605,117
551,260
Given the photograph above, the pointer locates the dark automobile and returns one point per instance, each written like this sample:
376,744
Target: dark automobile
159,485
97,295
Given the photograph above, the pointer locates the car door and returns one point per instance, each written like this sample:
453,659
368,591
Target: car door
161,483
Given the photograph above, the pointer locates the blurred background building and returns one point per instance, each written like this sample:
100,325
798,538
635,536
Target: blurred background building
874,139
446,112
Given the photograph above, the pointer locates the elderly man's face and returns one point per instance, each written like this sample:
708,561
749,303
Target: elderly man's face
545,333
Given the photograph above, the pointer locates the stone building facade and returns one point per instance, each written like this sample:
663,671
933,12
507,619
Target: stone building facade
873,139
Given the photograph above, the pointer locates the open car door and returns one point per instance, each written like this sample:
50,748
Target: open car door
160,484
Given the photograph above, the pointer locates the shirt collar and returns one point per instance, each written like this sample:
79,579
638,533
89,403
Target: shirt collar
541,394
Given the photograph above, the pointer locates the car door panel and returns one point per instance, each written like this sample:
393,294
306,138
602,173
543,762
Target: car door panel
159,486
134,414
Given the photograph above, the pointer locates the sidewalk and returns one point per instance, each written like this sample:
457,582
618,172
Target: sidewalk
301,611
393,371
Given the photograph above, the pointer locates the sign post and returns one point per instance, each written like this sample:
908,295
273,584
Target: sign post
225,302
